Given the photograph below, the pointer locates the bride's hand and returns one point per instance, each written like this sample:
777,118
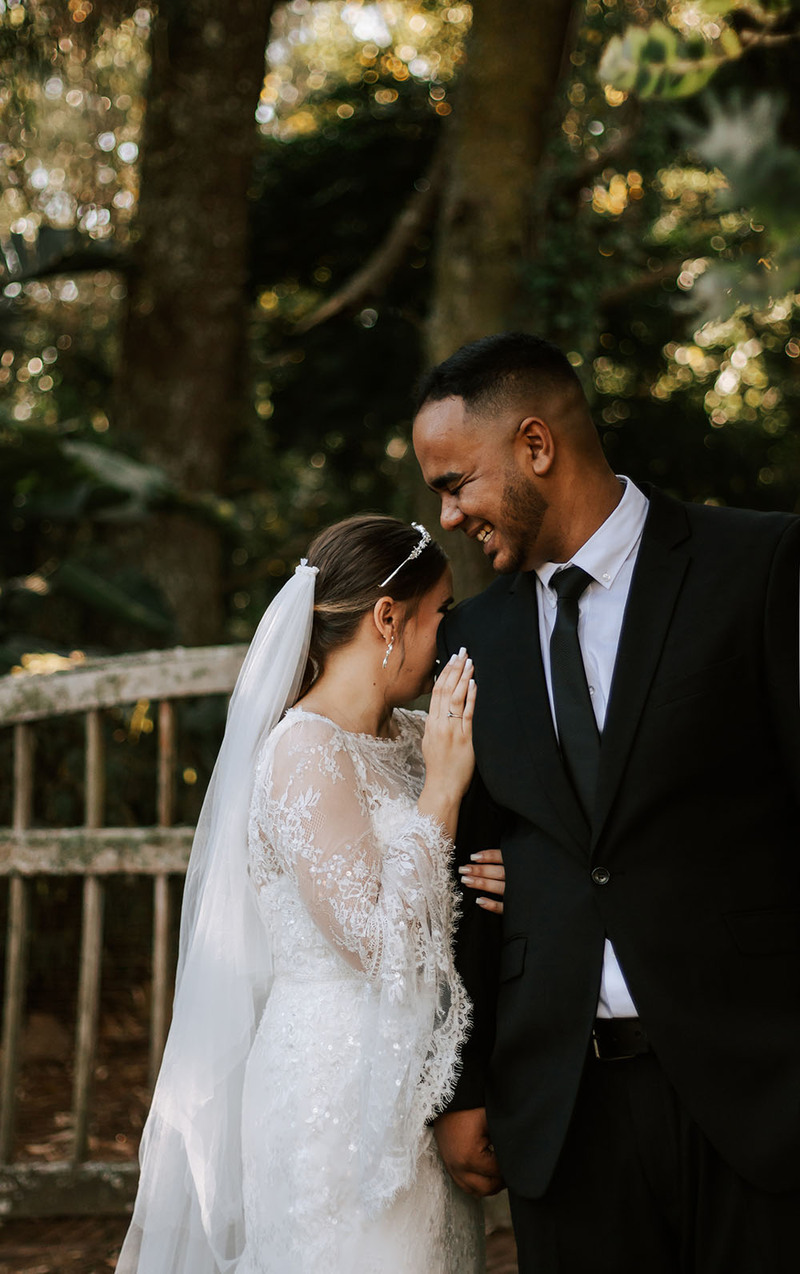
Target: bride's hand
485,870
447,741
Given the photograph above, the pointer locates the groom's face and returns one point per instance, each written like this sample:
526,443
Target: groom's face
481,479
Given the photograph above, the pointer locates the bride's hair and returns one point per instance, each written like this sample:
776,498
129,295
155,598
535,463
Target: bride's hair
352,557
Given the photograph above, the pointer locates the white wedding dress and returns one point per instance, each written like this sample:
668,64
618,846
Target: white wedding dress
358,1043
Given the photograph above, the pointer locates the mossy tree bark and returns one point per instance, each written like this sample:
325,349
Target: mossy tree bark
179,388
502,116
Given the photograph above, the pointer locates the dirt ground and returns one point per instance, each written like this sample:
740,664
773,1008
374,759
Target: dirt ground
86,1246
90,1245
76,1245
80,1245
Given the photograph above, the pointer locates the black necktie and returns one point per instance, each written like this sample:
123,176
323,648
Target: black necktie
577,728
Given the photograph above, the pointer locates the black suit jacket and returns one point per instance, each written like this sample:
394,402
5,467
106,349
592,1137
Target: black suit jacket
696,825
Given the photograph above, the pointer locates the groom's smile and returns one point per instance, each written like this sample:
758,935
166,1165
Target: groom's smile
470,463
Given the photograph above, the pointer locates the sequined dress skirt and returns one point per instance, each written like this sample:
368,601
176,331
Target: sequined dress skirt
300,1138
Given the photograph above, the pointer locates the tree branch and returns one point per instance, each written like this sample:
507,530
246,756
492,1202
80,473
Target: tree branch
634,287
86,260
377,272
761,40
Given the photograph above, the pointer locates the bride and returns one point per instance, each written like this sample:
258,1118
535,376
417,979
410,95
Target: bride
318,1016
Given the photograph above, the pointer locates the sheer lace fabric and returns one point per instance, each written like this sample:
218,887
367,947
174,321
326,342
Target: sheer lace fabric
358,1044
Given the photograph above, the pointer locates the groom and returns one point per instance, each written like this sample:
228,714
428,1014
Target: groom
636,1042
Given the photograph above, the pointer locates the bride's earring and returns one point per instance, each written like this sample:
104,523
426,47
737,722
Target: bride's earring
389,650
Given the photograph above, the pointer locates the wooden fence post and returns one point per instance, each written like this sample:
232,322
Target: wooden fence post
16,944
91,945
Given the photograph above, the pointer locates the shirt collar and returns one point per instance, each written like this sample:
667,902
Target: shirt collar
605,553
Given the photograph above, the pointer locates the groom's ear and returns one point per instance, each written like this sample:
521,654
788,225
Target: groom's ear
535,440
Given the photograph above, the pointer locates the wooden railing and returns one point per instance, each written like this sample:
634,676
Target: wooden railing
92,852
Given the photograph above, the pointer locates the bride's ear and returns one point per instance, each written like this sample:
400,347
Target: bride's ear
384,617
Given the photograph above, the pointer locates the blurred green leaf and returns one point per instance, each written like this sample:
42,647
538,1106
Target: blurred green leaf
79,581
144,483
763,173
742,139
58,251
656,61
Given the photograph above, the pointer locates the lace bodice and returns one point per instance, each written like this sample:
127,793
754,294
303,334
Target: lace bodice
327,807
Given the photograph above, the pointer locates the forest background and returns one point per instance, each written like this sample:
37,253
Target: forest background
232,235
222,276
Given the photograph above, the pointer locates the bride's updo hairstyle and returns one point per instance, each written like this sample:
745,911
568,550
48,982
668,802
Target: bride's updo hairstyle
352,558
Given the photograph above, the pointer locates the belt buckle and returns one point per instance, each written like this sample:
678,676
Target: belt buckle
605,1057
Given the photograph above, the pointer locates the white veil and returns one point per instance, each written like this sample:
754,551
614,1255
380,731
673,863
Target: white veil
188,1213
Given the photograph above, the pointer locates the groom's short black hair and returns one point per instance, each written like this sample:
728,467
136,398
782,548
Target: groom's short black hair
485,372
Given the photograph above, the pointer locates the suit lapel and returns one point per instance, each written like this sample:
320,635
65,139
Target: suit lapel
656,583
521,658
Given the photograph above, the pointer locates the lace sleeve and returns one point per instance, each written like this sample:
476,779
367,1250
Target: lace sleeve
370,903
389,910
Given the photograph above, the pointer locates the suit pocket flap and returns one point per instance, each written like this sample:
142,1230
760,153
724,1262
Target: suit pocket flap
687,685
768,931
512,957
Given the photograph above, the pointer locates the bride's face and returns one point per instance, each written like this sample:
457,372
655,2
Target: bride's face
418,642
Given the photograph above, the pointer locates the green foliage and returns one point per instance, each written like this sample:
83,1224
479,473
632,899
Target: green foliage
328,426
633,223
762,175
86,585
655,61
141,485
738,133
647,212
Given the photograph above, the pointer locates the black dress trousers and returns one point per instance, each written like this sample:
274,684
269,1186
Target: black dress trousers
638,1189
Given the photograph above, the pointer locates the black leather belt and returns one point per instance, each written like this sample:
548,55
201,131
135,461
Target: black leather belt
618,1038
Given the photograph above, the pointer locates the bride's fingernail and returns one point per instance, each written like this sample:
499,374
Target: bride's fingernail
462,651
482,902
477,858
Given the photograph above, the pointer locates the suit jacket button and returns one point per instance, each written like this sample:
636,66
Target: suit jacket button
601,875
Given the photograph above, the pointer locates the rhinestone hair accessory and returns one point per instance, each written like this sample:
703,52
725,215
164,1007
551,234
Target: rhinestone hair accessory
423,541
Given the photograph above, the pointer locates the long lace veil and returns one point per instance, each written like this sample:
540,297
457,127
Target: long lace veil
188,1213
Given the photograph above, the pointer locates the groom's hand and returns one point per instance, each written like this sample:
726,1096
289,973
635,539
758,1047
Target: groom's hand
466,1148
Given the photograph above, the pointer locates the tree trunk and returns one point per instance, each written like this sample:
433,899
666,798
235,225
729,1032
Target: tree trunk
179,386
502,114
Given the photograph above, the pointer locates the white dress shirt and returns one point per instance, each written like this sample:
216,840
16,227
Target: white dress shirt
609,557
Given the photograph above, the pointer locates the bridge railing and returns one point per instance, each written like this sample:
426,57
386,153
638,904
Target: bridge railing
92,852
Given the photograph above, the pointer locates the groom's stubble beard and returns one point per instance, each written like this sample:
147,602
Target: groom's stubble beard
523,509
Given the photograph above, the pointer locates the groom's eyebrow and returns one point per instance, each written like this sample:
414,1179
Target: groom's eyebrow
444,481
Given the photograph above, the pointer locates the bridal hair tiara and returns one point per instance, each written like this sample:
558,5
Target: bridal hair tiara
423,542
